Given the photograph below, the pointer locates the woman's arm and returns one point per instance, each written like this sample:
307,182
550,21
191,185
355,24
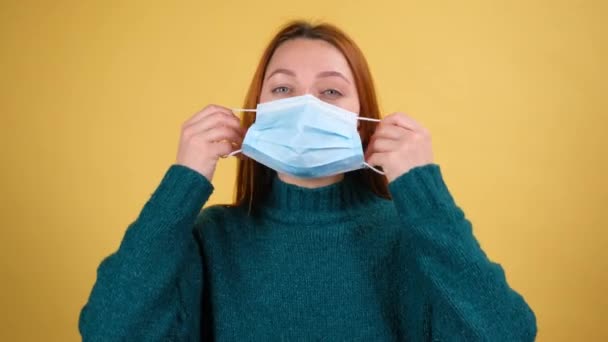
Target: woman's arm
469,297
150,289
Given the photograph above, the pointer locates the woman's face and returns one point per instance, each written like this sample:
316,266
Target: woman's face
306,66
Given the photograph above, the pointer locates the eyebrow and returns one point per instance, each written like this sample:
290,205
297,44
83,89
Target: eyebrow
319,75
332,74
281,71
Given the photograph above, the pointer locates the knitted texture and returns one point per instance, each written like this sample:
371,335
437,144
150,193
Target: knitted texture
328,264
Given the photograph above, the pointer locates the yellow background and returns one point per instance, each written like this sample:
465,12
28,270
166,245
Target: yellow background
93,95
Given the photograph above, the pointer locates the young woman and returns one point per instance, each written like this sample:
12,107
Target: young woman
319,244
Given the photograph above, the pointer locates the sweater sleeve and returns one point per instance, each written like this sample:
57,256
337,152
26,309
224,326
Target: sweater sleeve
150,289
469,298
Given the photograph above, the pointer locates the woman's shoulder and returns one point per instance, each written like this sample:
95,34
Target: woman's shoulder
220,217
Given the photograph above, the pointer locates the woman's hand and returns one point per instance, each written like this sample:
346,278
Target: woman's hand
398,145
208,135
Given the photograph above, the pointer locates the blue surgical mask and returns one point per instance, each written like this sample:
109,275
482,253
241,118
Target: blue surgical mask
305,137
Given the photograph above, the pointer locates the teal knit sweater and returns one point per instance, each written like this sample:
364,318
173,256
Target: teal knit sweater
335,263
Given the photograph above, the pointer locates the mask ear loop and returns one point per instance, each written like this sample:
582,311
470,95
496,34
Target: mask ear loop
233,153
241,110
376,170
235,111
368,119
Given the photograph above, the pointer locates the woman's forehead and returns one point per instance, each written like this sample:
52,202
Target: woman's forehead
308,56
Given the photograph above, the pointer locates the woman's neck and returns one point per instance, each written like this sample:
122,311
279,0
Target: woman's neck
311,183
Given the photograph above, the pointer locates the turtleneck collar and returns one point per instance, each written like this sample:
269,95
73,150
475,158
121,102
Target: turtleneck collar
291,203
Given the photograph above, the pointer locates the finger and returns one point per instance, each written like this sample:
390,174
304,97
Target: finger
383,145
380,145
208,110
224,133
215,120
223,148
404,121
215,116
218,120
390,131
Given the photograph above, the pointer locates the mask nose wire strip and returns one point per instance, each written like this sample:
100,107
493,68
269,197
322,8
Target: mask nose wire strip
241,110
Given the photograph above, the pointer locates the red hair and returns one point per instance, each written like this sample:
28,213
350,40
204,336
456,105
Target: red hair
254,179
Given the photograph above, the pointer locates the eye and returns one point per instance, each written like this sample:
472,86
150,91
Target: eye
280,90
331,93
